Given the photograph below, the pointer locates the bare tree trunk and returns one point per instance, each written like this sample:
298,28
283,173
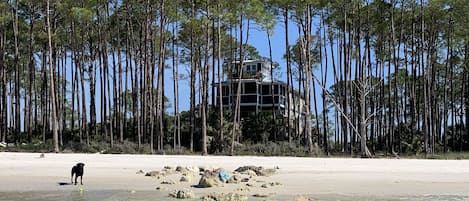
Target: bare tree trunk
176,130
193,79
3,102
425,96
220,73
272,90
290,92
205,84
160,106
307,52
237,107
466,87
32,71
17,113
51,71
324,81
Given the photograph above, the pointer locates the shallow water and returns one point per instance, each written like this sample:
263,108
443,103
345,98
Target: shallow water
77,195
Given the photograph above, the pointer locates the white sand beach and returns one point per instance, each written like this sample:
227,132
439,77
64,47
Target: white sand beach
23,172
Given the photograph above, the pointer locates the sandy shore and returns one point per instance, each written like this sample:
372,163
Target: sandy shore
309,176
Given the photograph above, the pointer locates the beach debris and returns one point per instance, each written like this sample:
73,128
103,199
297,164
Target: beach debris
245,180
42,155
169,182
264,186
133,191
140,172
250,185
182,194
224,176
225,197
152,173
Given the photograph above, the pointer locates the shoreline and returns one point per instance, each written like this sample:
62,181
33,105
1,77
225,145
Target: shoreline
27,172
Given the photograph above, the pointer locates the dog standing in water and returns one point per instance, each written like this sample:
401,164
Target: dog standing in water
77,170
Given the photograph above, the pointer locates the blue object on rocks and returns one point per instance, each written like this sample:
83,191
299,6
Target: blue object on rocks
224,176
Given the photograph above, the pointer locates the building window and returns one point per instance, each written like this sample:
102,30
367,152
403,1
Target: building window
249,99
225,90
265,90
250,88
267,100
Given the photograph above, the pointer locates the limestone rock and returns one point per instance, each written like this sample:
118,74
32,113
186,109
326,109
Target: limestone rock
207,181
182,194
179,169
169,182
185,179
259,171
225,197
234,179
152,174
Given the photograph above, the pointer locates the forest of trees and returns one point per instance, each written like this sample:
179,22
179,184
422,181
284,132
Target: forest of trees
77,73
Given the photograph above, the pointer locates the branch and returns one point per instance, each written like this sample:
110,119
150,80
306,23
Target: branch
349,122
374,113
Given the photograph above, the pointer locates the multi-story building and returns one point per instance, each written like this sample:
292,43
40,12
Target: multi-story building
259,92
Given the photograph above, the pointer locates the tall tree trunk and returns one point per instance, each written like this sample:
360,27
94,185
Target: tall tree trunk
272,90
220,73
162,56
205,82
237,116
175,55
466,86
425,96
17,102
31,75
3,88
192,79
308,72
92,85
290,91
51,71
324,81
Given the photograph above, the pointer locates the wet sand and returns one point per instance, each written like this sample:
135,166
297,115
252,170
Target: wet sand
108,176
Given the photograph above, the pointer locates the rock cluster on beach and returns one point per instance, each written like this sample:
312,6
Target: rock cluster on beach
243,179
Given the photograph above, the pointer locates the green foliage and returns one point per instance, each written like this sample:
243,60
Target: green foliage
272,149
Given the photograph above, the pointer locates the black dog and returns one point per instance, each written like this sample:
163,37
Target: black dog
77,170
